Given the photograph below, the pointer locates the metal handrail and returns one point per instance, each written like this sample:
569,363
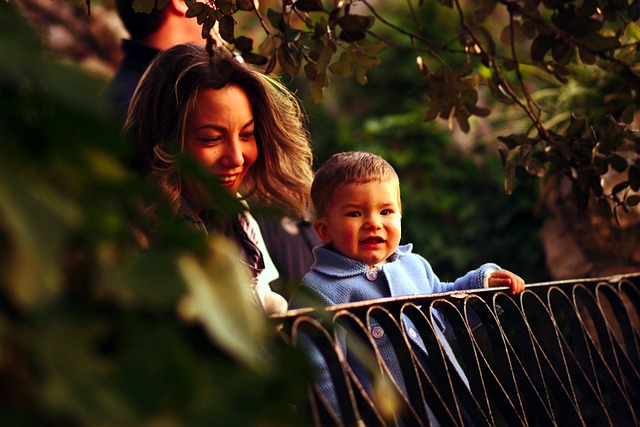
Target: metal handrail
560,353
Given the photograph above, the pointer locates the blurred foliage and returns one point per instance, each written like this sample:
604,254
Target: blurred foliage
93,329
496,46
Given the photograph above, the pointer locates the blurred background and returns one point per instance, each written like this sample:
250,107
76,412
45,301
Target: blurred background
85,341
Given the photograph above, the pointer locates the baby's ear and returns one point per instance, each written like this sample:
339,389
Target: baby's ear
320,226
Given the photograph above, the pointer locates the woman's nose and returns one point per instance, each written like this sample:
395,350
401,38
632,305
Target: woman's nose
232,155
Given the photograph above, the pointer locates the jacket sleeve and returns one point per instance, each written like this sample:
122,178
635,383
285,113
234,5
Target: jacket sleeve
474,279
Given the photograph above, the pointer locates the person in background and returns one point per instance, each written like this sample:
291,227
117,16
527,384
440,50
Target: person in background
243,127
289,240
356,197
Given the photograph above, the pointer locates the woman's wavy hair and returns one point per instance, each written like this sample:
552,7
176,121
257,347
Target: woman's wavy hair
165,98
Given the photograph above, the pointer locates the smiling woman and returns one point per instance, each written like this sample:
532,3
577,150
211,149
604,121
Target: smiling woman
244,129
220,136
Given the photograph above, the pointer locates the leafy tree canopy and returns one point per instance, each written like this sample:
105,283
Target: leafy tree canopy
515,50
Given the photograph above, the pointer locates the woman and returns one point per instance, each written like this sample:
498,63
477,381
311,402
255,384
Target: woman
243,127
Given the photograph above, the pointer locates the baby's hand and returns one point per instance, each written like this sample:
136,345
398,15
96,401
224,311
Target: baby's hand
506,278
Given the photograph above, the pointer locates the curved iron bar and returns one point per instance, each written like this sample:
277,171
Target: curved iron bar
561,353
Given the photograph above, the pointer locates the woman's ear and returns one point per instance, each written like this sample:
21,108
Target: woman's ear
320,226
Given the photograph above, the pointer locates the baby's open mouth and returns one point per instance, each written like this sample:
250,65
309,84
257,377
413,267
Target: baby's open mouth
373,239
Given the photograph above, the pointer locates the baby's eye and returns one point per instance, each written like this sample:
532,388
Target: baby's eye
353,214
386,212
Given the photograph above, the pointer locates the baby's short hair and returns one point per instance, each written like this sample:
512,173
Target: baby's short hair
351,167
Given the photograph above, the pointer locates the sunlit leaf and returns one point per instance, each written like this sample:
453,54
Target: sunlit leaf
319,83
212,281
343,67
40,221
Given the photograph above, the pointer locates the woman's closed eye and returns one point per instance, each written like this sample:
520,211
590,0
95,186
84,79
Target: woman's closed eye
247,135
211,140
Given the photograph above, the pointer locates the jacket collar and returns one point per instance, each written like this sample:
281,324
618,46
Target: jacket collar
333,264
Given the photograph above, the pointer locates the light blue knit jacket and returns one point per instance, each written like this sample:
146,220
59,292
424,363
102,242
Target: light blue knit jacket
336,279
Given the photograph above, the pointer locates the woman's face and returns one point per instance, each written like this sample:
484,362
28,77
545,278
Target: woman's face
219,135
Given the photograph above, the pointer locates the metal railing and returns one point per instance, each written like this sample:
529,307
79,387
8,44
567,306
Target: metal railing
561,353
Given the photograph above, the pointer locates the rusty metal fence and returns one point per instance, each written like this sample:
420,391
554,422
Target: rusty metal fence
561,353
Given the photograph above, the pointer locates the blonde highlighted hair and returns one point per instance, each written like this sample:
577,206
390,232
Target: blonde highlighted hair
351,167
165,98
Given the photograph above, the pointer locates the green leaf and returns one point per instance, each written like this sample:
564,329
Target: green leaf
226,28
354,24
497,91
562,52
255,59
308,5
576,126
586,56
633,200
212,282
462,117
311,71
144,6
344,66
596,185
535,167
510,182
462,71
618,163
243,44
599,43
276,19
195,9
319,83
540,46
486,7
529,29
621,186
604,208
289,59
634,177
245,5
627,114
226,7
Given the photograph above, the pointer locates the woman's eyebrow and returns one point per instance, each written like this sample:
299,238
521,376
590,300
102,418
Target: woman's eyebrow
222,128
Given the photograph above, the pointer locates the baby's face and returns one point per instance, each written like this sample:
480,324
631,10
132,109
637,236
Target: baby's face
363,221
